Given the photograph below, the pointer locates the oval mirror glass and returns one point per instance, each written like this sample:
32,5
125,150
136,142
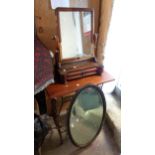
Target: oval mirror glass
86,115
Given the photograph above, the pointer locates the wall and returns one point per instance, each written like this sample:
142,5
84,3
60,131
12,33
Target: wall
45,19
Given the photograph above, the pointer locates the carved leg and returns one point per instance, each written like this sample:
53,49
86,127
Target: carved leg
56,117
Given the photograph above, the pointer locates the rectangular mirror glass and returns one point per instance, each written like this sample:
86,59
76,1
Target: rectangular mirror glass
75,30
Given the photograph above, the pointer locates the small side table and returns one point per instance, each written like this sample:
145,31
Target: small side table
58,90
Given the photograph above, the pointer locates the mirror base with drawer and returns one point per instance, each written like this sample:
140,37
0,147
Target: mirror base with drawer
77,69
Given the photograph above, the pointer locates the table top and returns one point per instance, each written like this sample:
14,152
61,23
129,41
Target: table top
58,90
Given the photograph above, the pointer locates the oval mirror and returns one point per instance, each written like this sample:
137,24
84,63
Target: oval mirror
86,115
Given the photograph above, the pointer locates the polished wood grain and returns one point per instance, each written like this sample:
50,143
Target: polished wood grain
59,90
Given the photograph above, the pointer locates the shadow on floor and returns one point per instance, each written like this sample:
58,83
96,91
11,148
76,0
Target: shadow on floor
103,145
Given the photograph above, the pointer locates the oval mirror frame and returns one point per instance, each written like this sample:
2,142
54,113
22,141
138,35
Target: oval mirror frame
99,91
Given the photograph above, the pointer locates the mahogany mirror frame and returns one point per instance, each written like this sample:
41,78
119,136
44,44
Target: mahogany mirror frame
64,9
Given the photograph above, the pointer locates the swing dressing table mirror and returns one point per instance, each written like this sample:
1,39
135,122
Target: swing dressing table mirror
75,56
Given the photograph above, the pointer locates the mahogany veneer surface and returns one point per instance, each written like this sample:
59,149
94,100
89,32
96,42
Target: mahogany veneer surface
59,90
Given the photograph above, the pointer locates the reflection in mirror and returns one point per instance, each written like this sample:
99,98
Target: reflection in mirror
76,31
86,115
